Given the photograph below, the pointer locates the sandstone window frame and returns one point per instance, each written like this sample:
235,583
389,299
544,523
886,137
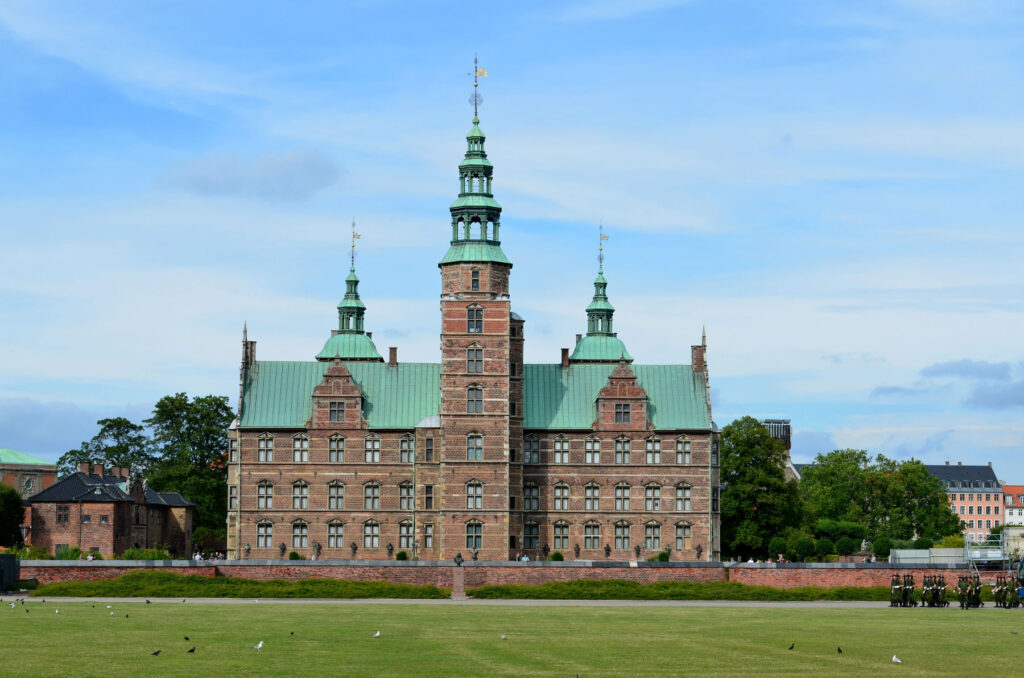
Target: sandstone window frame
560,450
264,534
405,496
300,534
335,534
560,535
592,497
592,450
371,534
684,497
531,497
474,494
684,536
336,495
475,359
474,399
474,446
623,445
336,449
531,449
264,494
371,449
684,451
300,448
622,413
407,449
474,534
474,319
592,535
652,450
622,530
474,280
560,496
265,448
428,535
300,495
531,536
232,499
405,535
622,490
652,497
652,536
336,411
371,496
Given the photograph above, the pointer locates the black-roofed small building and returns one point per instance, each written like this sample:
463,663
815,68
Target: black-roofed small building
975,496
109,511
347,455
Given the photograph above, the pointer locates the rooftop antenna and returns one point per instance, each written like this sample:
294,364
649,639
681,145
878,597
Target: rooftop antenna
355,236
600,247
476,99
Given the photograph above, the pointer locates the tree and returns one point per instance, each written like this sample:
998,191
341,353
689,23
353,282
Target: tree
824,547
834,487
905,501
756,499
12,514
118,443
191,437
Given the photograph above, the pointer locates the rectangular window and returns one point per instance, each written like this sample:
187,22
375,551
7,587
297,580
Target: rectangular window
475,360
512,409
474,535
512,368
232,498
429,449
265,496
474,400
428,497
970,510
336,450
622,451
714,453
714,499
592,537
988,524
474,448
407,450
592,451
300,449
683,499
561,536
988,497
232,451
335,536
961,496
264,536
428,536
621,413
682,451
652,537
531,451
336,496
622,498
104,520
561,497
988,510
474,281
63,515
265,449
86,519
652,498
970,524
531,537
682,537
371,535
371,497
474,496
371,450
405,535
300,535
336,412
405,497
474,320
592,498
621,537
512,503
995,510
300,496
561,451
531,498
963,509
653,455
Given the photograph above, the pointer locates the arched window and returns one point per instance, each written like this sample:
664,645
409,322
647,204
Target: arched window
622,450
264,535
474,534
407,449
405,496
653,451
405,534
371,449
591,536
265,495
300,534
561,535
371,534
561,496
474,399
335,534
474,495
300,495
592,497
300,448
265,448
474,447
683,451
531,536
652,536
336,495
371,496
683,499
531,498
652,497
621,535
475,318
592,450
622,497
336,449
682,536
561,450
475,359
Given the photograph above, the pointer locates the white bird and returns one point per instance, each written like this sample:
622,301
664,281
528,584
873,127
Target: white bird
12,606
258,646
377,635
896,660
109,606
57,611
504,637
111,614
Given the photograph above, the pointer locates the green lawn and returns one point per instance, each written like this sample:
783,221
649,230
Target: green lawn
465,640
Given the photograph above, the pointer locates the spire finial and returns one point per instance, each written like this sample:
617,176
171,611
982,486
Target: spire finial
476,99
600,246
245,330
355,236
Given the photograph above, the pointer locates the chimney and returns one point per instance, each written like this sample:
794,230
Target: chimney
990,464
83,467
579,338
697,358
99,470
565,357
369,335
392,356
959,463
947,462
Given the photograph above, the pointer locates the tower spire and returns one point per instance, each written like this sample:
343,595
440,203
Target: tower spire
600,345
355,236
476,99
350,341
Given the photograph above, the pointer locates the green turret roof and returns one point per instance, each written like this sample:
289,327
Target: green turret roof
601,348
349,346
9,456
474,251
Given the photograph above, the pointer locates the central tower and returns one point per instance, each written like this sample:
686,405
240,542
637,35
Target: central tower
480,410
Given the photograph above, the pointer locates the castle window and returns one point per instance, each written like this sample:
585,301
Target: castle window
652,498
371,496
300,535
531,536
264,535
683,501
300,495
652,537
474,495
592,497
63,515
714,498
265,449
336,495
474,284
428,536
300,449
407,449
428,497
531,451
653,451
474,399
622,497
371,449
428,449
232,451
682,451
405,535
475,319
405,496
371,534
335,535
531,498
336,412
474,360
621,536
561,534
621,413
622,450
336,449
592,451
591,536
714,453
232,498
682,537
265,495
474,447
561,451
474,534
561,497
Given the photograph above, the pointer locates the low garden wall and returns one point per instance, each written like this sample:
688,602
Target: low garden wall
474,574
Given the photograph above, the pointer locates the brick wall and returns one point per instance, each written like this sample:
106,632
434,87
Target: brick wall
792,575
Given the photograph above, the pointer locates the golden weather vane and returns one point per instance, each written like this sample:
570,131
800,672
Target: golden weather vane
478,72
601,237
355,236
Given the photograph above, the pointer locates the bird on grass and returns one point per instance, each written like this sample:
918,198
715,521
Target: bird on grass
1013,632
192,650
896,660
13,606
109,606
126,616
156,653
839,650
57,611
292,633
377,635
792,645
504,637
148,601
187,638
111,613
258,646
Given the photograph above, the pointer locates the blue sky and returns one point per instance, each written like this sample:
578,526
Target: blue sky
831,189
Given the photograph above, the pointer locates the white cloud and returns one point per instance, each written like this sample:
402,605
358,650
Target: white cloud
294,174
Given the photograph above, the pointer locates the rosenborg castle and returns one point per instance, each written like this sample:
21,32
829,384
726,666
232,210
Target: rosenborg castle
351,456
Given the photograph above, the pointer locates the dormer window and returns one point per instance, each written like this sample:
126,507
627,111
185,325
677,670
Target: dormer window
621,413
337,412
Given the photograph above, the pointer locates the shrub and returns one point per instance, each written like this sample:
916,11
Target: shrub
24,552
881,547
824,547
618,589
776,546
295,556
902,544
401,555
145,554
662,557
953,541
802,548
923,543
846,546
66,552
832,558
556,555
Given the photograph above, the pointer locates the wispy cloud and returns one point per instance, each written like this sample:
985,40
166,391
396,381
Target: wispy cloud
277,175
969,369
998,396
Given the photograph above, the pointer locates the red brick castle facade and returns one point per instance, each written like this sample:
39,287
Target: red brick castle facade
349,456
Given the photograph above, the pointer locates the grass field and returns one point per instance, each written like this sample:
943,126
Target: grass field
465,640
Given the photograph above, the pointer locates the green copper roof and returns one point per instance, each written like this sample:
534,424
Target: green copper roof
600,347
476,132
474,200
9,456
600,305
278,394
475,250
349,346
563,398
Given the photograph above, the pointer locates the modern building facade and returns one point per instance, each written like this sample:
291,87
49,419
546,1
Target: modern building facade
975,496
594,456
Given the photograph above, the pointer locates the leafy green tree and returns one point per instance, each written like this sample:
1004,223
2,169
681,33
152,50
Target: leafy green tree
881,547
834,487
191,437
756,499
776,546
824,547
12,513
803,548
118,443
846,546
905,501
